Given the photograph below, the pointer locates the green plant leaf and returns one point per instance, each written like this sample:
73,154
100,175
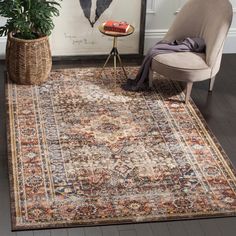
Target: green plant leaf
28,19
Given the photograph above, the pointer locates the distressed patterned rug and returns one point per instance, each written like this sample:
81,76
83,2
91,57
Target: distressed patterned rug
84,152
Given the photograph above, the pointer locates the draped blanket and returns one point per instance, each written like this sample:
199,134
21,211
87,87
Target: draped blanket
185,45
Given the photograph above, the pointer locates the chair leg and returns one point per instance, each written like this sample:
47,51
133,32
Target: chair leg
211,84
150,78
188,91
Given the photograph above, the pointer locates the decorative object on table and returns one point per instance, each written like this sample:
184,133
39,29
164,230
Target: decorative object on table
83,151
28,55
87,15
192,67
129,29
116,26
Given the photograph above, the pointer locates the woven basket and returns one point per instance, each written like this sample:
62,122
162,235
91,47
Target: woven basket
28,61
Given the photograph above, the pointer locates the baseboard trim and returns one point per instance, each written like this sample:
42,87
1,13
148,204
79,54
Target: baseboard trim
154,35
160,32
178,10
3,41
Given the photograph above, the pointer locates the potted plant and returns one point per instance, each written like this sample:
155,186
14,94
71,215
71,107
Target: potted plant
28,25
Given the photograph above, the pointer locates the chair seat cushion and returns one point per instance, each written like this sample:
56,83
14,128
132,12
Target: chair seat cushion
184,66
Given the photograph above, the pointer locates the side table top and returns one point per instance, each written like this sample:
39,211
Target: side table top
115,34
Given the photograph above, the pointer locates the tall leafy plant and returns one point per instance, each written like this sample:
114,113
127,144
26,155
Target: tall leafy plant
28,19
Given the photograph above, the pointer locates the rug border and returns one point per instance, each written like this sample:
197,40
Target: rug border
214,138
95,224
9,156
105,222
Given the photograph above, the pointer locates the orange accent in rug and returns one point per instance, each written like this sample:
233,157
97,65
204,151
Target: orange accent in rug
82,151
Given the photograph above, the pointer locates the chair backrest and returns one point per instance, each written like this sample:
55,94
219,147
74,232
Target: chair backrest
208,19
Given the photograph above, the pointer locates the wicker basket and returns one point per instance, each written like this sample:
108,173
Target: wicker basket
28,61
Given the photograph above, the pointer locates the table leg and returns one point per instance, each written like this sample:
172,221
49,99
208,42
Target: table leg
116,56
115,64
121,64
108,58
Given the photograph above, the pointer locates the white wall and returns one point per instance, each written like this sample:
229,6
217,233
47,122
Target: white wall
2,40
160,15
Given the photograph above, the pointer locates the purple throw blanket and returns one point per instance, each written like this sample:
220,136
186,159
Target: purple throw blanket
186,45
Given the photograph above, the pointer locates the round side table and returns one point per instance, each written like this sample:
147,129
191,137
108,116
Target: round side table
114,51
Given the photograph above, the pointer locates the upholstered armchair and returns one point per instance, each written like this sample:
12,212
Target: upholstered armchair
208,19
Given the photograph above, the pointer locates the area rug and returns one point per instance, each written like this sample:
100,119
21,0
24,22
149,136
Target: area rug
82,151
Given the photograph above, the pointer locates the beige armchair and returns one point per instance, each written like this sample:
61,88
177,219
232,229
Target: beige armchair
208,19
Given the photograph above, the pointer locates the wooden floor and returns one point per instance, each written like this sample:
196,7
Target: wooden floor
219,110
